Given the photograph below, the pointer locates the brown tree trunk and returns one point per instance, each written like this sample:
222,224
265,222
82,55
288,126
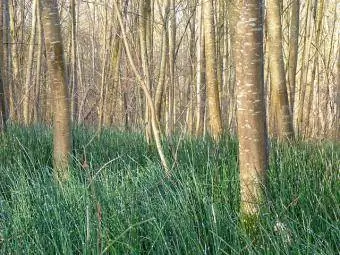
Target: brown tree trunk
55,64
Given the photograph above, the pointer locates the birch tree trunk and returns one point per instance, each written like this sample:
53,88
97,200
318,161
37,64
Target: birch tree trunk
251,114
55,64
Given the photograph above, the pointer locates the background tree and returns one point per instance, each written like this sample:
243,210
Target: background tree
211,71
279,98
3,112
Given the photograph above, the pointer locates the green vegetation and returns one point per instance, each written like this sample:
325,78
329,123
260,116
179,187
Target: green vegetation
121,203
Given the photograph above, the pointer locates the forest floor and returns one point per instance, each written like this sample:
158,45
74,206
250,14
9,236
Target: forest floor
120,201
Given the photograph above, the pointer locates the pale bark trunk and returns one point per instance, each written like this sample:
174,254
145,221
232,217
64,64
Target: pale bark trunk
144,34
252,131
301,88
2,92
277,72
13,93
28,83
55,64
172,53
74,74
200,74
214,110
318,23
293,51
161,80
36,111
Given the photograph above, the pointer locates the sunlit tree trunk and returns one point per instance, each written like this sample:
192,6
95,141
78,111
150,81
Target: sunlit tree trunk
312,88
277,73
336,129
3,112
293,51
145,15
38,103
162,71
215,121
200,74
55,64
251,114
74,67
301,88
13,59
27,97
172,54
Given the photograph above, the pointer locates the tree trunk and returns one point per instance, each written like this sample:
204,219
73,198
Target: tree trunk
251,114
293,51
3,112
74,73
27,99
55,64
145,10
161,80
200,75
172,63
277,72
214,110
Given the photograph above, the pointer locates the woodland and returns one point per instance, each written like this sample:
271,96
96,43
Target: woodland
169,127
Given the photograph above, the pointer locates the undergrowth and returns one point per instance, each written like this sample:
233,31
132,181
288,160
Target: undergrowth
121,202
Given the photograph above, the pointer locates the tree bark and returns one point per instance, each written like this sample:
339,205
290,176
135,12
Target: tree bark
28,82
214,110
74,67
61,102
2,92
251,114
293,51
277,72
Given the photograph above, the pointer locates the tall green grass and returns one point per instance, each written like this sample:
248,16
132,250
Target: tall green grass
123,204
